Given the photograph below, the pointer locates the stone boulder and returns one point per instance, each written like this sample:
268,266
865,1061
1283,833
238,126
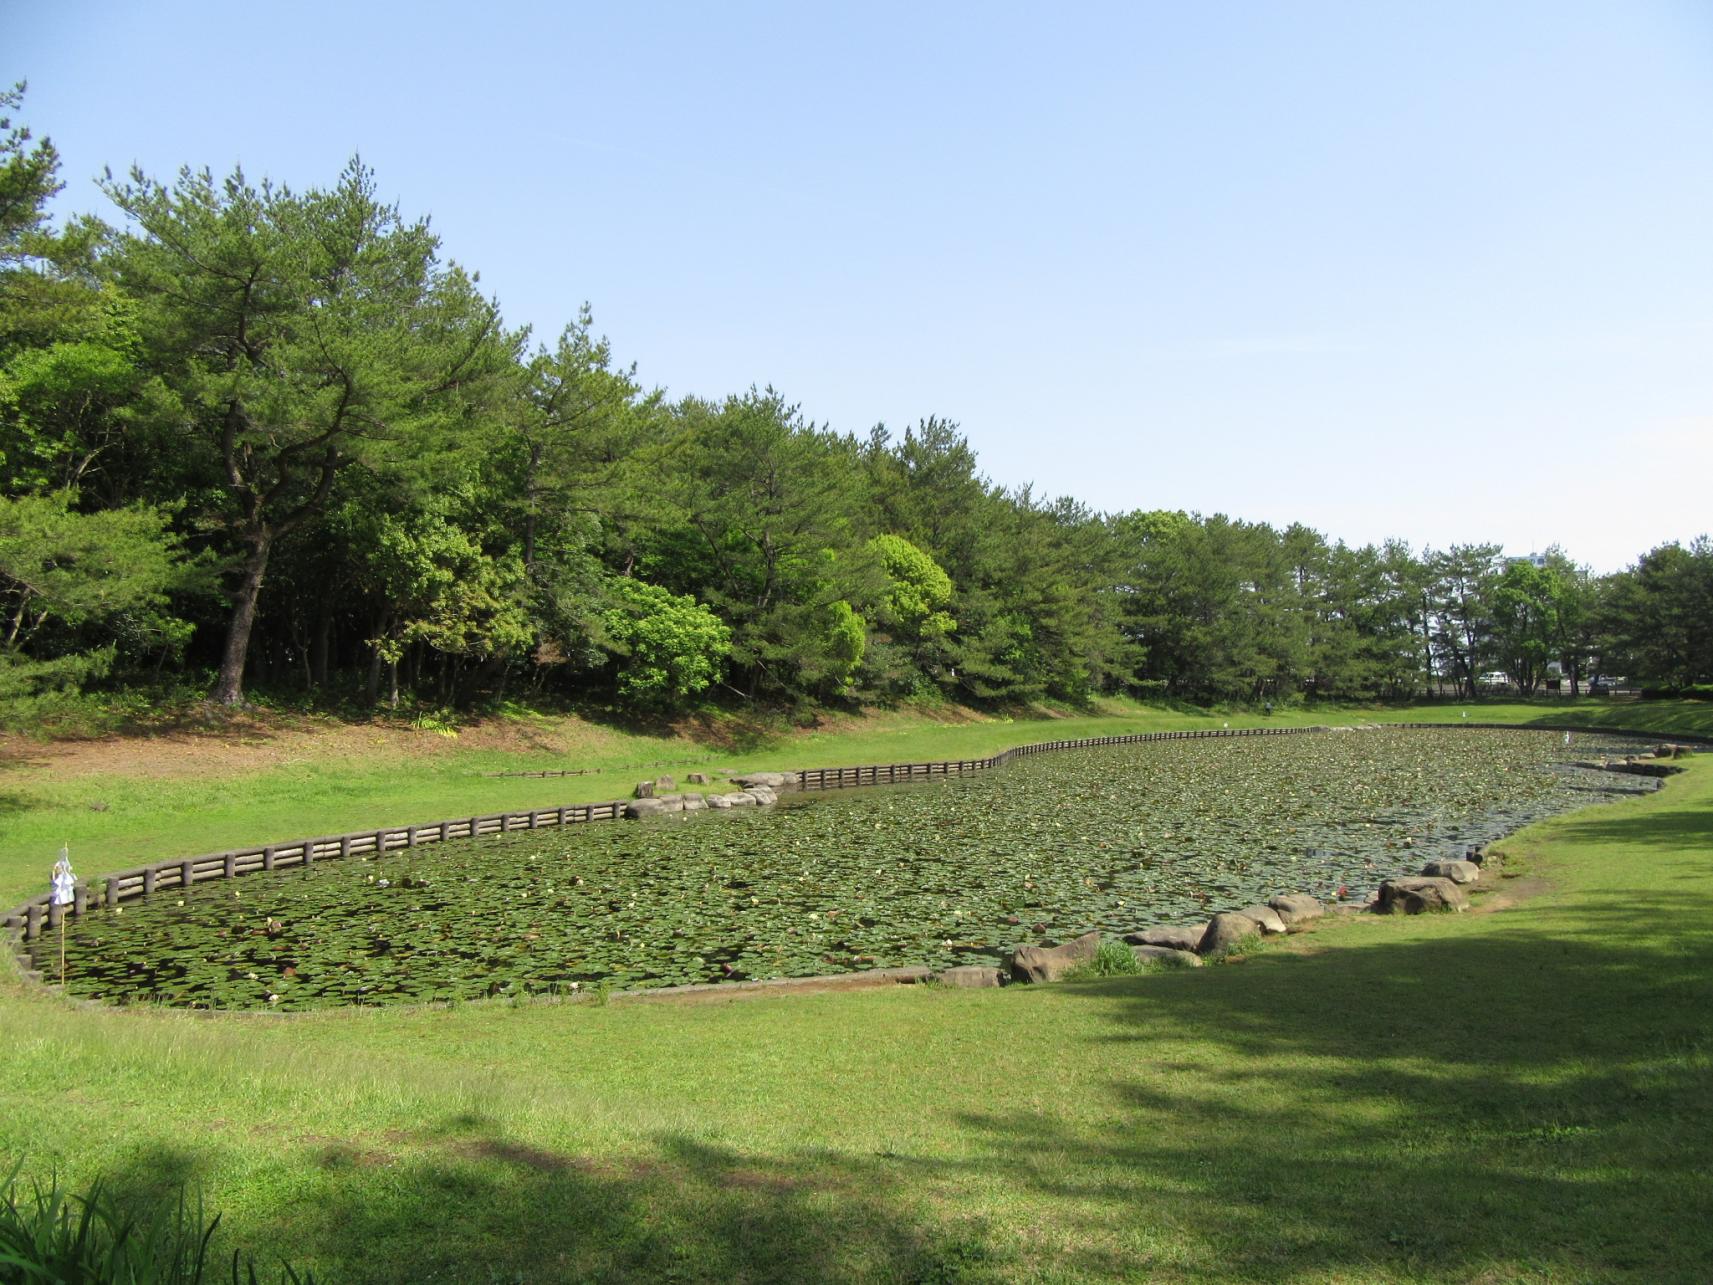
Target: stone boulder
646,808
1271,924
696,778
1420,896
665,783
1049,963
1174,937
1225,931
722,802
763,796
1166,956
773,780
1297,909
1456,871
644,790
969,976
742,799
694,803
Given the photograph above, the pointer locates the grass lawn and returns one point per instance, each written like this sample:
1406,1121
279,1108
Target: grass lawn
1523,1093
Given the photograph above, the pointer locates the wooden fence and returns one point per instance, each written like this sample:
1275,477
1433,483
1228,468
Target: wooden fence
844,778
106,891
28,920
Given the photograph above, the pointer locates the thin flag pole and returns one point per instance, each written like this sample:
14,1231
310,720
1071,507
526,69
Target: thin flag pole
64,893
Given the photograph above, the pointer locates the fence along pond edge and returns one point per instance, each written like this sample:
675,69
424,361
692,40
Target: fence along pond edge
29,919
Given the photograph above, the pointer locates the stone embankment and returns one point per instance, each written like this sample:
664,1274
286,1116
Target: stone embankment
1438,888
659,796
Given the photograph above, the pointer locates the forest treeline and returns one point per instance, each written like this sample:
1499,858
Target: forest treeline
276,439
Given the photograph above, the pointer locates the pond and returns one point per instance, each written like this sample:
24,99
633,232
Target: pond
956,870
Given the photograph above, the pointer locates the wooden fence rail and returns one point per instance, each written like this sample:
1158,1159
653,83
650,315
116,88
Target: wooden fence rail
29,919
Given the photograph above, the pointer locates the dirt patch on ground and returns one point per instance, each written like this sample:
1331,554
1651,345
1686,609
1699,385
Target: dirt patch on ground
1510,893
232,744
219,743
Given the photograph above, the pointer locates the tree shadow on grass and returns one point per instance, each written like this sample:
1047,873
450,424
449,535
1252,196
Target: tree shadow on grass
1508,1103
463,1202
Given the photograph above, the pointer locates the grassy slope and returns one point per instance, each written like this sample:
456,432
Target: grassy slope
1520,1095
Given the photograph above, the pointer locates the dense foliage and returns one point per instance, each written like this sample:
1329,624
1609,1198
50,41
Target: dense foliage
256,436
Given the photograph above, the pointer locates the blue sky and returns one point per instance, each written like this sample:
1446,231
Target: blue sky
1438,272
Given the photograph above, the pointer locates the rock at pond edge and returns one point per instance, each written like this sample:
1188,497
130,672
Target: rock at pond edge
1272,924
1297,909
1166,955
1049,963
1224,931
969,976
1456,871
1173,937
1420,896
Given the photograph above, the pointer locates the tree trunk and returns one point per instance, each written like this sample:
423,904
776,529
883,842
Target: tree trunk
320,645
229,687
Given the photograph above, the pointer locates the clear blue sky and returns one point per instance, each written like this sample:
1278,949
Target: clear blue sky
1442,272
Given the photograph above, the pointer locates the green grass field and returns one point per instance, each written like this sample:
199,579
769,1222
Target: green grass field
1518,1095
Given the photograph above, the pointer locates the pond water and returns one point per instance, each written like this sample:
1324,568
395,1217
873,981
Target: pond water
953,871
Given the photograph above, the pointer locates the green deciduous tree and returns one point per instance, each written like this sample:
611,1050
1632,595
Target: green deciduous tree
669,646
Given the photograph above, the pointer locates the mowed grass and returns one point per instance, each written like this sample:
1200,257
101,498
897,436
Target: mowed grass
1521,1095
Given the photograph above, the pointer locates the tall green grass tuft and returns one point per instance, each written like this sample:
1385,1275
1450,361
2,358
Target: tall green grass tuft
1113,959
47,1234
